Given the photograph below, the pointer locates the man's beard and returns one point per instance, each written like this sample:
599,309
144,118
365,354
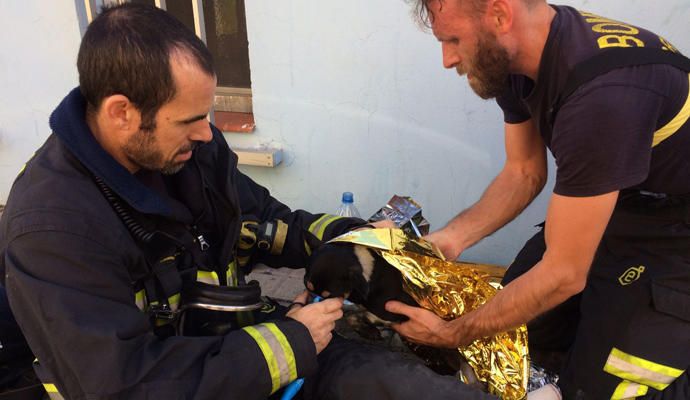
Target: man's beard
141,150
489,69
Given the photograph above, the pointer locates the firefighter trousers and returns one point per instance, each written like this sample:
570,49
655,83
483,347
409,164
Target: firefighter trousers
628,333
349,369
352,370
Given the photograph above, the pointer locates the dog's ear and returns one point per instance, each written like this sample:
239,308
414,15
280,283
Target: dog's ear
312,241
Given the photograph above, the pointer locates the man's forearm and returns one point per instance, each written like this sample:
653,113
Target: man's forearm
509,193
528,296
573,231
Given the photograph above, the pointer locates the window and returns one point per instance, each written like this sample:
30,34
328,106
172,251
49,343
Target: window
222,25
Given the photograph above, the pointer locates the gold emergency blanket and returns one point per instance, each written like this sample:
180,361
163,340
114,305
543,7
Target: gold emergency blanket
451,289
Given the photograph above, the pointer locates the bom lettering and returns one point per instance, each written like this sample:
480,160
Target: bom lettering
613,33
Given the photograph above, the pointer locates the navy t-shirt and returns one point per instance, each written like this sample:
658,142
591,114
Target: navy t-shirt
626,129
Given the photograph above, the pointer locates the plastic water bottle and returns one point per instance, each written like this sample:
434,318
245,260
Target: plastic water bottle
347,207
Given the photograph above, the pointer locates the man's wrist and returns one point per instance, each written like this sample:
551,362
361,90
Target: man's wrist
455,240
460,332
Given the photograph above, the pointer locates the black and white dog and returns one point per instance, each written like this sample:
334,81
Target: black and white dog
359,274
362,276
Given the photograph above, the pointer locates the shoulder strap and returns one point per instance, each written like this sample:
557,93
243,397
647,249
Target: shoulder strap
608,60
160,277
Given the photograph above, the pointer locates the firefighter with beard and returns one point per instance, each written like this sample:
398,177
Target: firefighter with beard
606,282
133,210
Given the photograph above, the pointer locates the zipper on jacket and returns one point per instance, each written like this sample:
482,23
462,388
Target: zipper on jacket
199,238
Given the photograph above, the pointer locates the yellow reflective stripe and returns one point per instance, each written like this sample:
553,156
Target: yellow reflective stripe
21,171
629,390
317,222
174,301
279,353
639,370
674,125
279,239
640,375
307,248
210,277
267,351
52,391
318,227
166,259
231,274
287,351
140,299
50,388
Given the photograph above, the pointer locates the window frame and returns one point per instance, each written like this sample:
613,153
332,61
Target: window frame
227,99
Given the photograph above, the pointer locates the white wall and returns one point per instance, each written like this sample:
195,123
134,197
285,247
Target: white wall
38,52
352,91
357,96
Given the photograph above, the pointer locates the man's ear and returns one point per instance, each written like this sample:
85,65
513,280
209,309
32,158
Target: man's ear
120,113
312,241
501,14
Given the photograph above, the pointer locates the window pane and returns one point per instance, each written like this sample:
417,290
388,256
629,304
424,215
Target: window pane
109,3
149,2
226,37
182,10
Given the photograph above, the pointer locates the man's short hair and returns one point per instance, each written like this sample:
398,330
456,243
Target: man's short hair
127,49
423,15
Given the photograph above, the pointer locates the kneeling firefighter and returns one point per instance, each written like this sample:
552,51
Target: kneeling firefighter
114,280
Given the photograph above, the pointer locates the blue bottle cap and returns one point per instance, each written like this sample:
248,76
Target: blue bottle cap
348,197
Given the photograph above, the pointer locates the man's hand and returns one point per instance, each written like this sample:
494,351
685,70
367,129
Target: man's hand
384,223
424,326
449,246
319,318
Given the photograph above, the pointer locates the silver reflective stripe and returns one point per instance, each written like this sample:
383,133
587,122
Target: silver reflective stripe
140,299
629,390
231,274
279,356
639,370
174,302
278,353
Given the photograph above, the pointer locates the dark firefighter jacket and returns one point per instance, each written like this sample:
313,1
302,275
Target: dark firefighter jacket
72,270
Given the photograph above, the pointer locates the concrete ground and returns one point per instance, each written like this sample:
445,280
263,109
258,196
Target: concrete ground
282,284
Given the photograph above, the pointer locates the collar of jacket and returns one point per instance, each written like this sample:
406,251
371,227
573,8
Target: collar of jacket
68,122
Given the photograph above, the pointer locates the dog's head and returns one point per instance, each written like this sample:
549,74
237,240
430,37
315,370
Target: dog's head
340,270
358,274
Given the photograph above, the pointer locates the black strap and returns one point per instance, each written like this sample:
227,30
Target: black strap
608,60
32,392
